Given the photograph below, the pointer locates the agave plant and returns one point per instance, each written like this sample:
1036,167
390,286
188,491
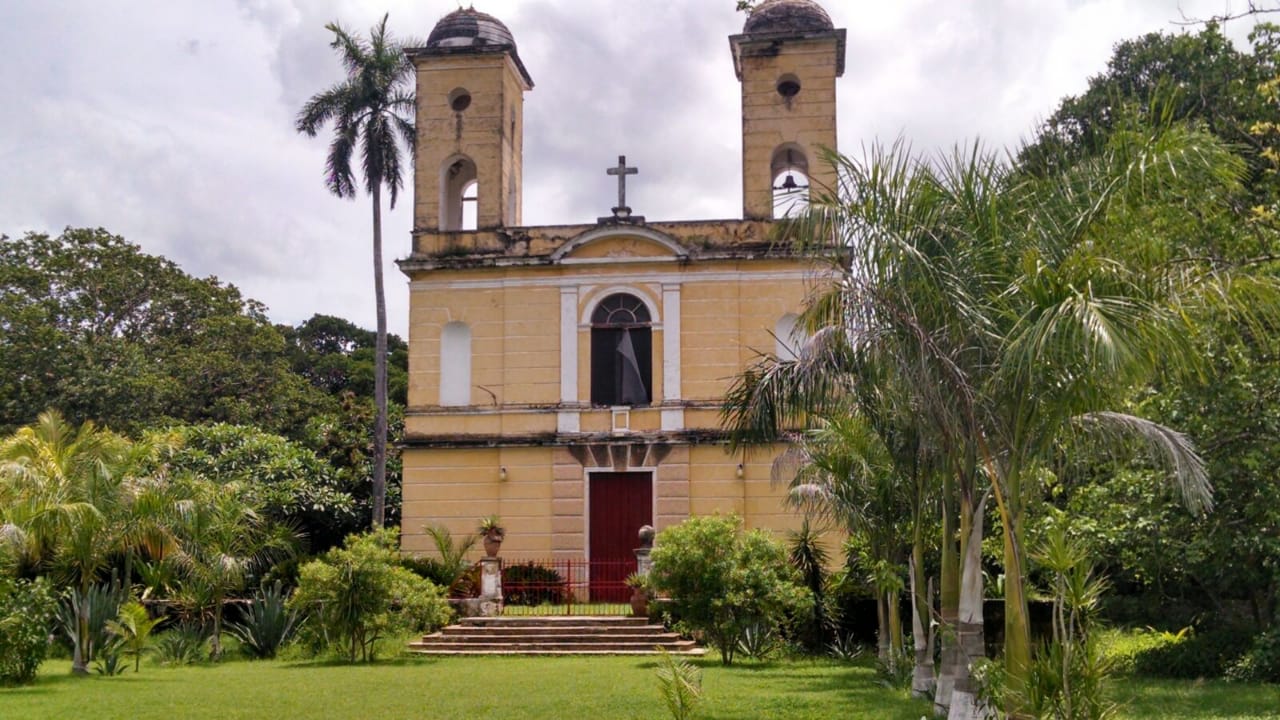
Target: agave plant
85,615
268,623
182,645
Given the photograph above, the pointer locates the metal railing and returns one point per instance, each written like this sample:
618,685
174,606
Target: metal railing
566,586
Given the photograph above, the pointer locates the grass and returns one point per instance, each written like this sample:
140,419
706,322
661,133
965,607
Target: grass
1198,700
535,688
606,688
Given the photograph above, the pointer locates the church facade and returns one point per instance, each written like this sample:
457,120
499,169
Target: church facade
569,378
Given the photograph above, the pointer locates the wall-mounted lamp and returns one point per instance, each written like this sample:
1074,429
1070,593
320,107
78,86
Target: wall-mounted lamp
502,473
739,473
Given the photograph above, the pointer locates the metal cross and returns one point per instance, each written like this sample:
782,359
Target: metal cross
622,171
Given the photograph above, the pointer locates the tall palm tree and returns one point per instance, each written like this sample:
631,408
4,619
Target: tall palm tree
1017,312
371,111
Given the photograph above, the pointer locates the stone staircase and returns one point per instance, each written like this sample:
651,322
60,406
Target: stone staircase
570,635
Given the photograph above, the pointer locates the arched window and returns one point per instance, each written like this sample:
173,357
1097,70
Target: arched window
458,190
790,172
787,338
621,352
455,365
471,207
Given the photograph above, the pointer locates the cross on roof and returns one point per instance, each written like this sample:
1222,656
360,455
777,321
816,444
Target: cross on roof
622,171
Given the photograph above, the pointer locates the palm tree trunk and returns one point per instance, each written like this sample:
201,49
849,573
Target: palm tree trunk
964,698
949,609
81,652
216,652
894,601
1017,626
922,677
379,371
882,621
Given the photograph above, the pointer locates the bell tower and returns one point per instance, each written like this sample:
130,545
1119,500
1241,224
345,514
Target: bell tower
470,125
787,58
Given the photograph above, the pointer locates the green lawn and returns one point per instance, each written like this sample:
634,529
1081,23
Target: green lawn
550,688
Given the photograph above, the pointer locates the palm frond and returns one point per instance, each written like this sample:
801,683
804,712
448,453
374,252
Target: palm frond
1173,450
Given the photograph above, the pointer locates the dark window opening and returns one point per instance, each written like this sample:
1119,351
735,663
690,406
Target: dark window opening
621,352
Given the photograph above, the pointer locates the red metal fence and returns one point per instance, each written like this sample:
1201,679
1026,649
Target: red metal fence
566,586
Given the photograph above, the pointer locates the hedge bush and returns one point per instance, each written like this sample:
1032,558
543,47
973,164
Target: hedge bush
1186,655
27,610
532,584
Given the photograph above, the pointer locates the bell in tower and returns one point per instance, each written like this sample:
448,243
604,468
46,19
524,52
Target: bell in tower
787,58
470,119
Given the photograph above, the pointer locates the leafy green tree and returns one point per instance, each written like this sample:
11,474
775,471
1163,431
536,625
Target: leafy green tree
369,111
723,581
1161,76
104,332
337,356
360,593
1158,557
283,479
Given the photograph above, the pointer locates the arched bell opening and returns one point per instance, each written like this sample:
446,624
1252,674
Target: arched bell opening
459,192
790,173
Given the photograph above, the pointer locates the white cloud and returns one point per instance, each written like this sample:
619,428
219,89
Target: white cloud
170,122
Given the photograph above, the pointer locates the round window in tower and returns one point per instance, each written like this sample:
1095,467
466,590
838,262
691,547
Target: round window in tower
460,99
788,86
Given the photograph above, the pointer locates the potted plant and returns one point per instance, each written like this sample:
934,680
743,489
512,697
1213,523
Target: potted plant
639,594
493,533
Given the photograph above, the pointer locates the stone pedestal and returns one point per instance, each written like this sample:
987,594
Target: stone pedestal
490,586
643,562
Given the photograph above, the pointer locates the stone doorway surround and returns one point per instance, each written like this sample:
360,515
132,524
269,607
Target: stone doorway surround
571,464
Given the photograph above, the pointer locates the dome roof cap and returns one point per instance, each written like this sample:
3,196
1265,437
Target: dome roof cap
468,27
788,16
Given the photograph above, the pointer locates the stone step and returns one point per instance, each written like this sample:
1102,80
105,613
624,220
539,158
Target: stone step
554,635
692,652
555,621
580,630
556,646
458,634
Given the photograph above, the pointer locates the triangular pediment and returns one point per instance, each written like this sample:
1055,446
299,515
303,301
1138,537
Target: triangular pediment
604,244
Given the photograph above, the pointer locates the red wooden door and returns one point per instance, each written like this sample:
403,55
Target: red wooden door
620,503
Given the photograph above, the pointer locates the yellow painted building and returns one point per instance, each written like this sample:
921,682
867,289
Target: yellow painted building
569,378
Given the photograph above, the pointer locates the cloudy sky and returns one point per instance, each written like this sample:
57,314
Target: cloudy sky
171,121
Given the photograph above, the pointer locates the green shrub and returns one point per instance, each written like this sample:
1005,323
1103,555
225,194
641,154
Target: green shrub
1199,655
1123,647
1262,662
722,580
27,609
532,584
268,623
360,593
181,645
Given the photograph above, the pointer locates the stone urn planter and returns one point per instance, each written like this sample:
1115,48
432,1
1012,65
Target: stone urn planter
493,533
639,595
